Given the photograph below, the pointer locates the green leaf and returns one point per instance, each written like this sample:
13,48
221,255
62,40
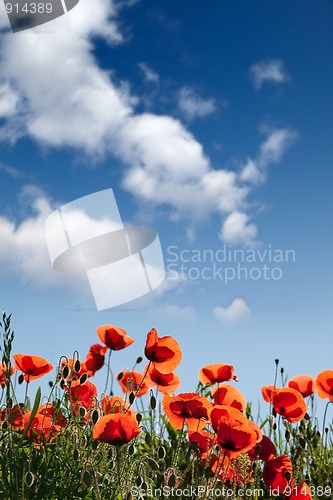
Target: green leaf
34,410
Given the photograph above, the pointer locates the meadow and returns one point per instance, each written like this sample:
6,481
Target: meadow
138,437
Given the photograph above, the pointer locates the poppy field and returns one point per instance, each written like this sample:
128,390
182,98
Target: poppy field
143,438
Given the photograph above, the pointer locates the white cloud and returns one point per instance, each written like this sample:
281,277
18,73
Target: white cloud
8,100
237,230
23,249
58,95
237,311
174,310
65,99
149,74
269,70
271,150
193,106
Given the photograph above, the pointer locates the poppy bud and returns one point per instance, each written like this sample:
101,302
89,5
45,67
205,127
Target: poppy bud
138,417
148,439
87,478
21,378
77,366
29,478
94,416
120,376
152,464
172,481
131,398
153,402
139,360
83,378
65,371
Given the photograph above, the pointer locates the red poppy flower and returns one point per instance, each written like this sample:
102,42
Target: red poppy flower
114,337
82,395
228,395
46,424
95,359
290,404
163,352
32,366
301,491
3,370
187,408
204,440
131,381
262,450
116,429
115,404
325,384
216,373
14,416
167,383
304,384
235,433
277,473
268,392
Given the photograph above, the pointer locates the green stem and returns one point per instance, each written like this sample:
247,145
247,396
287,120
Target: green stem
108,371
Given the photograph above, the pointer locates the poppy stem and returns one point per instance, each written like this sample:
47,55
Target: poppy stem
324,420
139,387
108,371
26,392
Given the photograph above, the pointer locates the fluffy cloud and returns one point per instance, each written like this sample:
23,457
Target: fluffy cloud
55,92
271,151
23,249
59,96
237,311
193,106
270,70
237,230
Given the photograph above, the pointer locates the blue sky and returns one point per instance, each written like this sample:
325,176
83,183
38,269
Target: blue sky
213,125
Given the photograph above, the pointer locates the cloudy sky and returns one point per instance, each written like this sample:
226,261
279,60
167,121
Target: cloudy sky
213,125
